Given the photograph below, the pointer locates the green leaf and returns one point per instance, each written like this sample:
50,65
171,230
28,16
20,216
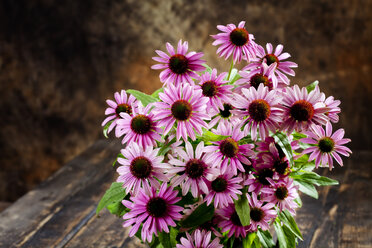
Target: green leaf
307,188
187,199
249,240
298,201
118,156
290,222
246,140
105,129
243,210
234,75
285,237
208,136
165,240
313,178
297,136
156,93
201,214
282,140
312,86
115,193
166,147
117,208
207,68
144,98
291,239
303,164
265,238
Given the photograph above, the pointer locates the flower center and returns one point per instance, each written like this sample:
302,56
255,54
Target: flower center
229,147
123,108
195,168
178,64
302,110
281,193
258,79
235,219
140,124
259,110
209,88
181,110
219,184
281,166
225,113
140,167
271,58
239,36
257,214
156,207
326,144
263,174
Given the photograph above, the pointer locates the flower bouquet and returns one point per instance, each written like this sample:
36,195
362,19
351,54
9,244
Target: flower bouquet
217,159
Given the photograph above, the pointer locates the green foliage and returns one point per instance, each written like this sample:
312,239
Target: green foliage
166,147
307,188
243,210
208,136
312,86
265,238
251,241
168,240
118,156
303,164
207,68
285,236
313,178
234,76
288,220
117,208
201,214
144,98
156,93
105,129
114,194
282,140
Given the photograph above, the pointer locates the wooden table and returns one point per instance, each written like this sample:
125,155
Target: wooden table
61,211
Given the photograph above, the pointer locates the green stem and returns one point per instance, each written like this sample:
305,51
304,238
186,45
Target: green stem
231,67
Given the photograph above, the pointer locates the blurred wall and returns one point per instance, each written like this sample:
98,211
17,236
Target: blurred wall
60,60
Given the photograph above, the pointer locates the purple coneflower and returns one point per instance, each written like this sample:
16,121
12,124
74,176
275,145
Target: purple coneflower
236,41
214,89
283,193
327,145
263,109
231,223
270,57
261,213
140,168
255,77
223,190
199,239
139,127
192,170
184,106
224,116
228,152
258,179
122,104
156,210
303,110
180,66
333,108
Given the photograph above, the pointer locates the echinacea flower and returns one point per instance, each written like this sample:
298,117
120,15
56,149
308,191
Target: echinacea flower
214,89
140,168
333,108
259,178
223,190
155,210
326,146
199,239
122,104
270,57
303,110
231,223
223,116
228,152
179,66
254,78
185,106
272,155
283,193
139,127
262,109
261,213
235,41
192,170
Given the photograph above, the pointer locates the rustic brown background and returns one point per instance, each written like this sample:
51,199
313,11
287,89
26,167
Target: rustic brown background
60,60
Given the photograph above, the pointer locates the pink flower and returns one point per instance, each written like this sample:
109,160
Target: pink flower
139,127
184,106
263,109
270,57
228,152
333,109
192,170
283,193
180,66
261,213
122,104
255,77
231,223
155,210
140,168
214,89
326,146
259,178
235,41
223,190
303,110
224,116
199,239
